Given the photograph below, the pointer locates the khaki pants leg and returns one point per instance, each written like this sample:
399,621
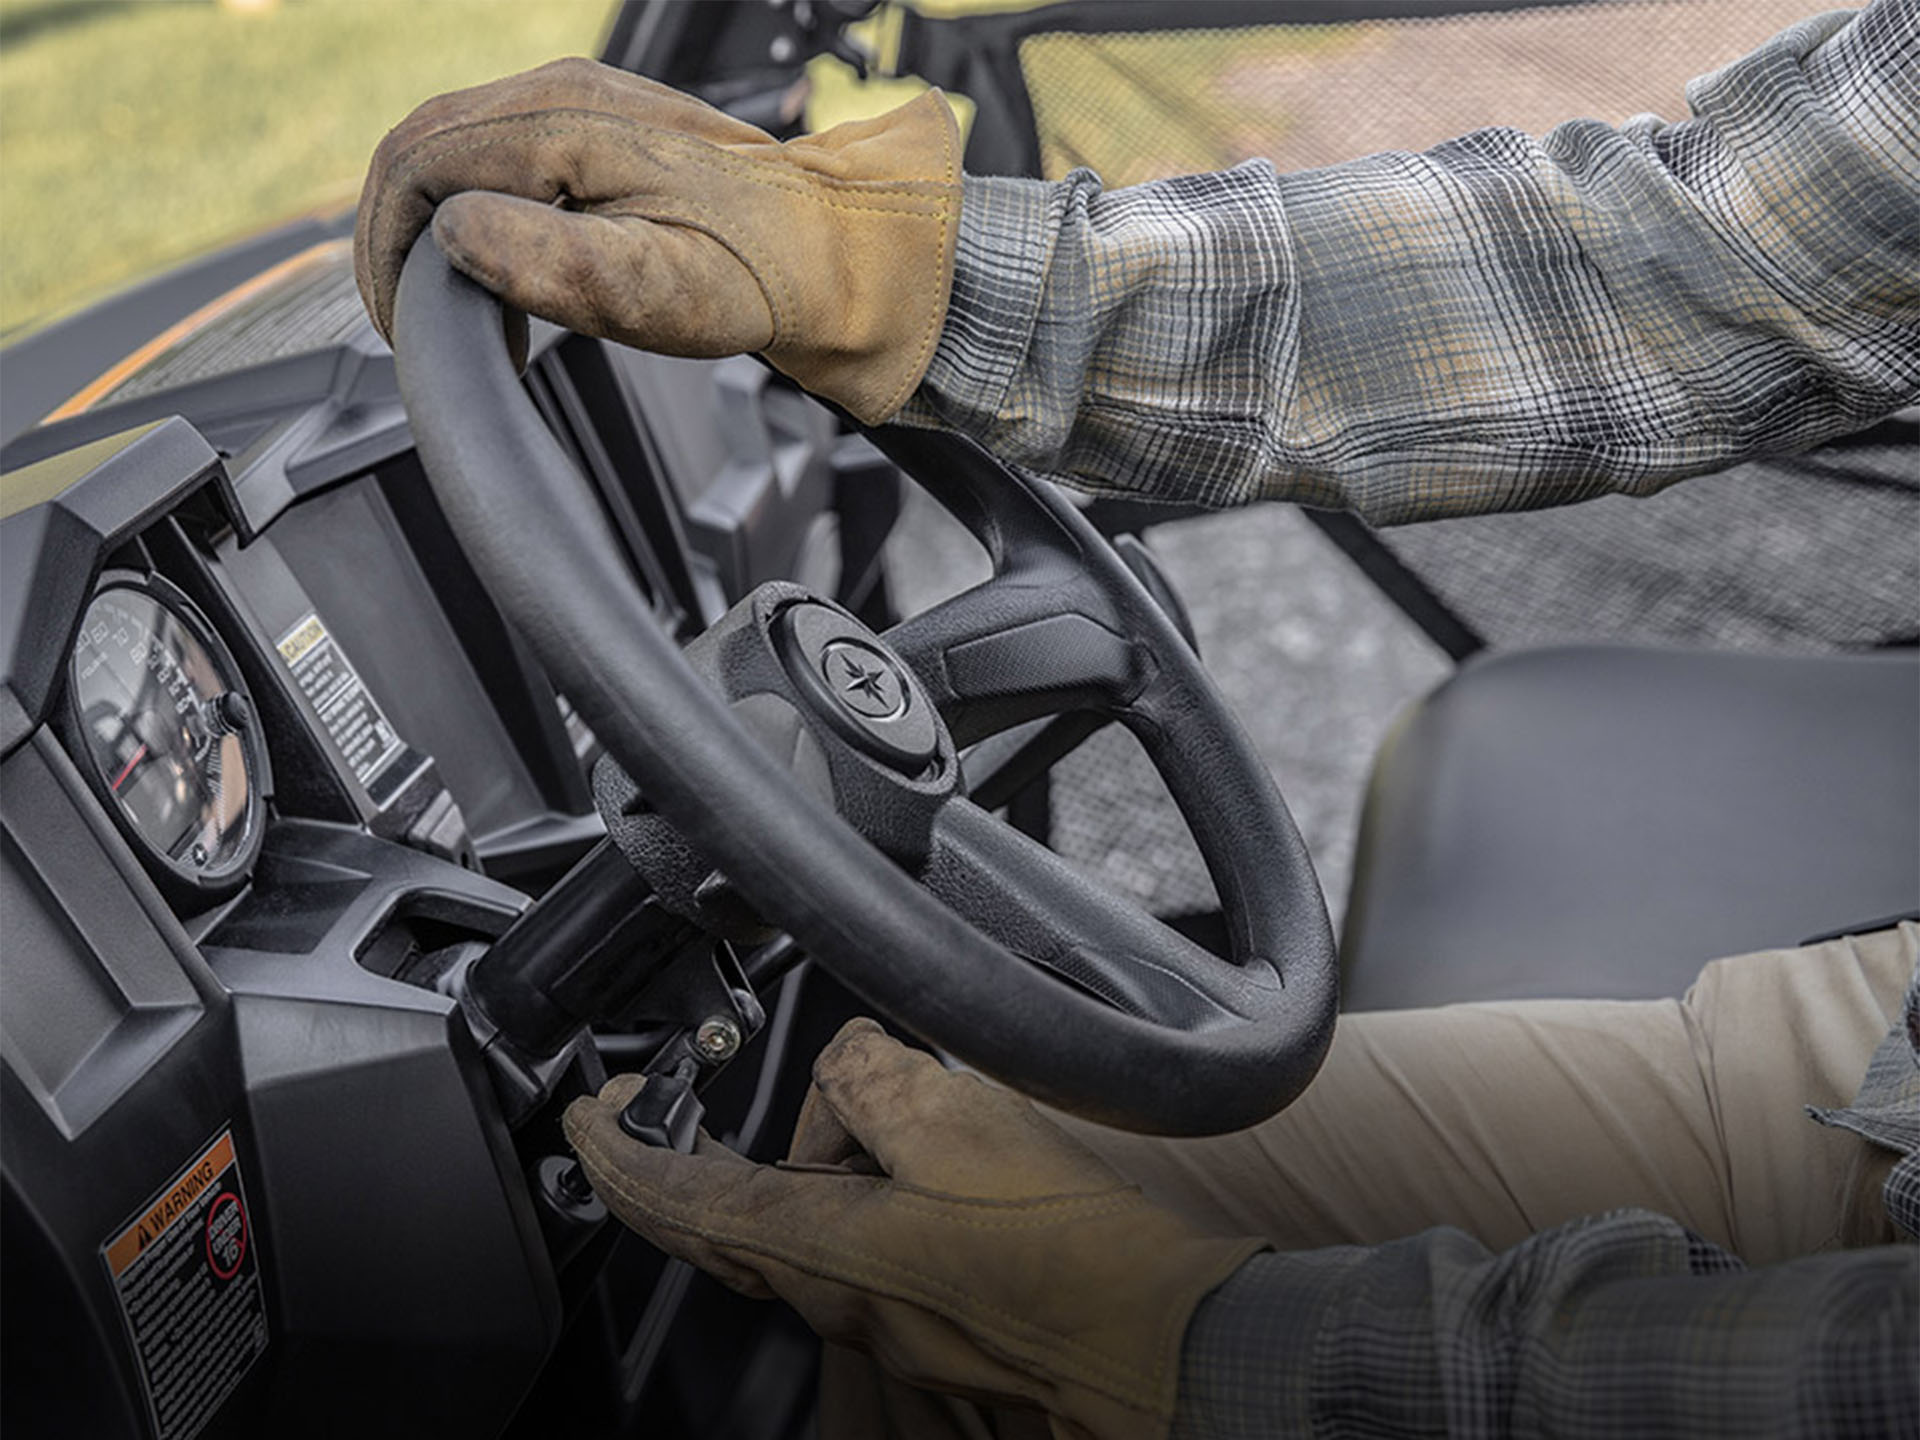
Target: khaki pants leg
1507,1118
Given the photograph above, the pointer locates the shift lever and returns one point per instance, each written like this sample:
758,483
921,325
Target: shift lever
666,1112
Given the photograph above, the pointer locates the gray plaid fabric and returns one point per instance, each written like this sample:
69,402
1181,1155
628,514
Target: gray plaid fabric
1499,323
1887,1112
1624,1324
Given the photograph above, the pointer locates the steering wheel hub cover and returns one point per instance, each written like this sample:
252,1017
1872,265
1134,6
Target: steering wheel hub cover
862,680
850,680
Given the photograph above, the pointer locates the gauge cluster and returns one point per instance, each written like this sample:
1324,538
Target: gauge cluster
164,729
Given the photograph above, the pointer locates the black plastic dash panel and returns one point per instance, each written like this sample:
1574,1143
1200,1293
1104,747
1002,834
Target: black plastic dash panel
59,520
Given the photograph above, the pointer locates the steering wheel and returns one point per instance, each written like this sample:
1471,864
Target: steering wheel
787,710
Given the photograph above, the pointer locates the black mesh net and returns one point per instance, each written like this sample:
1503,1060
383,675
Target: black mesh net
1112,816
1142,105
1813,553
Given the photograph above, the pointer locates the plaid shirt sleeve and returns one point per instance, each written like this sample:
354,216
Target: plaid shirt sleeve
1623,1324
1499,323
1620,1324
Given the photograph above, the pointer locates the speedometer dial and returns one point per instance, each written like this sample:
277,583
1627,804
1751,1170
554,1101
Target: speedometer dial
160,711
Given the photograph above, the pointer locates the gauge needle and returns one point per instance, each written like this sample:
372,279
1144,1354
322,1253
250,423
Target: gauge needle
127,769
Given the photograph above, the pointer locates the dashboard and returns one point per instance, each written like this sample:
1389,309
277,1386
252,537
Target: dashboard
273,766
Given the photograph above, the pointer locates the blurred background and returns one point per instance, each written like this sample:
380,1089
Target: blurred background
134,133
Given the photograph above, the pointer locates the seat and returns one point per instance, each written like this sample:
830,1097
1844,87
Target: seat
1600,821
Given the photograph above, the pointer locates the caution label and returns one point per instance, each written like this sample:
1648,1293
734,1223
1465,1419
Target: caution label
353,718
186,1271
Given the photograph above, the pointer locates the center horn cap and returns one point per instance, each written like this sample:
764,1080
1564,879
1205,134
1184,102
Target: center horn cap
858,687
863,680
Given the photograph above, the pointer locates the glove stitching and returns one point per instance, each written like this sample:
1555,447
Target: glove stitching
857,1268
1118,1197
937,318
1045,1222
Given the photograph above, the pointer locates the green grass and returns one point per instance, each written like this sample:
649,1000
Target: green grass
138,133
135,134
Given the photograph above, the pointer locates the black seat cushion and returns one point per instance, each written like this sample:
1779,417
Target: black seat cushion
1603,820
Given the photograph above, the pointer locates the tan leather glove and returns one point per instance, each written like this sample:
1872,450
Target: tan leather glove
988,1255
624,209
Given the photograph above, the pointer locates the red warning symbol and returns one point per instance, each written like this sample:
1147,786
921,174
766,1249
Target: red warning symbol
226,1235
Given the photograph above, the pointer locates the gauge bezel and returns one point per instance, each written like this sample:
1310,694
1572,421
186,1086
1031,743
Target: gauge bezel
180,881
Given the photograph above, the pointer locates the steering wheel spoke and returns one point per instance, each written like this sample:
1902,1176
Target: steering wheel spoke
1021,646
1043,910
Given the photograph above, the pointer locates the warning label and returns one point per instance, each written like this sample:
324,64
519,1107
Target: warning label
187,1276
345,706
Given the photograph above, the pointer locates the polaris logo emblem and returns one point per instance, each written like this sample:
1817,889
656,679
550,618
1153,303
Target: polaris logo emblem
863,680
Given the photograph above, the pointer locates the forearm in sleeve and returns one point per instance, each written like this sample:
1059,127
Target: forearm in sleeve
1498,323
1624,1324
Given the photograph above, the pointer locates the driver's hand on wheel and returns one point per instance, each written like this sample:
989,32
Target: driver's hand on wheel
621,208
940,1224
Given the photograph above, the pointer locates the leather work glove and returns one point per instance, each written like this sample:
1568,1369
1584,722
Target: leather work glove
621,208
943,1226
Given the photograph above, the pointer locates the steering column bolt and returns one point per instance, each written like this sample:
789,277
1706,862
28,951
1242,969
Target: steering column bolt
717,1040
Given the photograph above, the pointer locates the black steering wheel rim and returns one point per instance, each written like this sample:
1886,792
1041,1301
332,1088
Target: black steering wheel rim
536,536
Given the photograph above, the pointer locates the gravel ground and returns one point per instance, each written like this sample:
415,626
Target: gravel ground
1314,661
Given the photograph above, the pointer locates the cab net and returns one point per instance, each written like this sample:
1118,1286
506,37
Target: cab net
1817,552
